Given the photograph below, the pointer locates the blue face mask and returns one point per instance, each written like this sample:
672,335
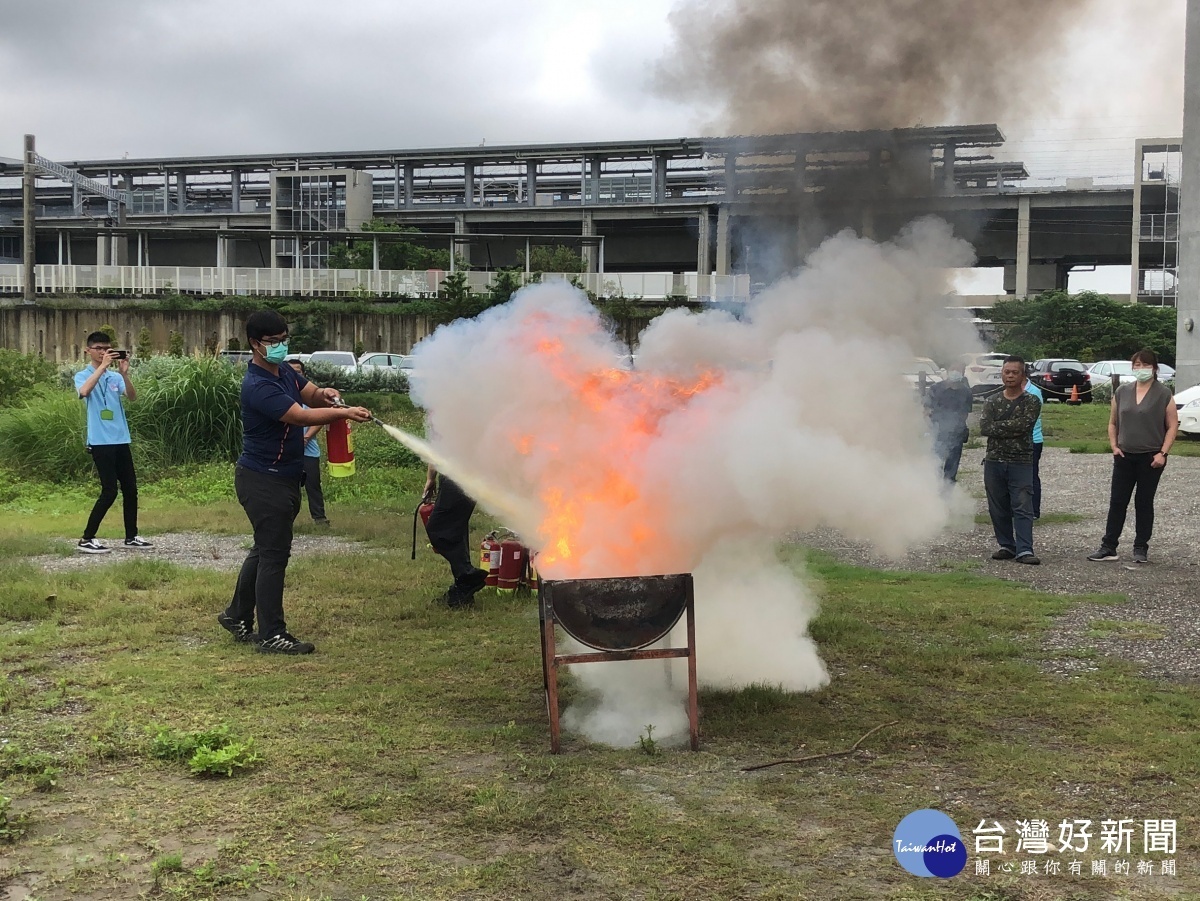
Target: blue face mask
276,353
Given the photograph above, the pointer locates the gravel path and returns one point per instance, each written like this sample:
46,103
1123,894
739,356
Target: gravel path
1163,595
200,549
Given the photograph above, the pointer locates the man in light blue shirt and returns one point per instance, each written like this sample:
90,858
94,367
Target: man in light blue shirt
1031,388
108,439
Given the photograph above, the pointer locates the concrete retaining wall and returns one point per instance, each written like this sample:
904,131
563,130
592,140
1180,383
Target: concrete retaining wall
59,335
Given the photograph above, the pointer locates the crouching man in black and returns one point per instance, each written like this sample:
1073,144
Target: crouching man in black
449,531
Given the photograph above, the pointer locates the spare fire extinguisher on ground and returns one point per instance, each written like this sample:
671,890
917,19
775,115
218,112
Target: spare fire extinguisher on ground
512,566
339,444
489,559
423,511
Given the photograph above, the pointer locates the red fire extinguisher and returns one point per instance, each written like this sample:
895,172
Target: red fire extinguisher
340,445
422,512
489,559
512,565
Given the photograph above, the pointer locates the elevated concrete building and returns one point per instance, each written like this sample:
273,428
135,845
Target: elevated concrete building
695,207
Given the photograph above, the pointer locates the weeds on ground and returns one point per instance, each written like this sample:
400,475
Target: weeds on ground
212,752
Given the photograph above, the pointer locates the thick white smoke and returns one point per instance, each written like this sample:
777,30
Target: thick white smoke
728,435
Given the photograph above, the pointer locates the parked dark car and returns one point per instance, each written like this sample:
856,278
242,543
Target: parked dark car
1056,378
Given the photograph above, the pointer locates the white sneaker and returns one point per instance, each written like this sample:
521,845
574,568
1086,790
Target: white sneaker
92,546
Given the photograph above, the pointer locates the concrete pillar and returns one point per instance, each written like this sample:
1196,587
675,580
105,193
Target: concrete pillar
1022,286
722,261
731,186
1187,338
409,170
595,179
703,243
398,191
121,247
531,182
460,250
180,191
949,151
469,183
235,189
583,180
103,255
868,222
590,257
28,233
660,177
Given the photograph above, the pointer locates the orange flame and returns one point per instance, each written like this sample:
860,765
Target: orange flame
593,502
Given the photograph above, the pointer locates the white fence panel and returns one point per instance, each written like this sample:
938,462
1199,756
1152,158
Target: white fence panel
52,279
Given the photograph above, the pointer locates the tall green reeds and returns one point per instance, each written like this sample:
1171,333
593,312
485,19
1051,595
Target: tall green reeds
187,411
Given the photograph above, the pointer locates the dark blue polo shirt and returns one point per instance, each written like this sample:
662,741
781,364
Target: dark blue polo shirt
269,445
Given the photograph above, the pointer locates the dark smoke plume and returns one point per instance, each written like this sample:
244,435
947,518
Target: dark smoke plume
778,66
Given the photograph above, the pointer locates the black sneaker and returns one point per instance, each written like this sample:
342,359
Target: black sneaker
1031,559
472,583
1141,555
457,599
1103,555
91,546
322,522
240,631
283,643
138,542
1003,554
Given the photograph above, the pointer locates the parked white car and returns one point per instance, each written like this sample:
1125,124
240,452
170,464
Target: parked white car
1187,402
982,372
396,362
918,366
343,359
1101,373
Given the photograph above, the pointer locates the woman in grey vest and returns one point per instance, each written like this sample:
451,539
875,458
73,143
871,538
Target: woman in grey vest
1141,430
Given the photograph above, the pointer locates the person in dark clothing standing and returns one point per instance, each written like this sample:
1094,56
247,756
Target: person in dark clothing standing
1007,422
312,464
449,531
267,479
1142,427
108,440
948,404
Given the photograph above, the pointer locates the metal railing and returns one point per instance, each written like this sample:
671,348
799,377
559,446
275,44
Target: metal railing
1160,227
209,280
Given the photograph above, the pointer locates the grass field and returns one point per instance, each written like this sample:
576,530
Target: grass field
408,757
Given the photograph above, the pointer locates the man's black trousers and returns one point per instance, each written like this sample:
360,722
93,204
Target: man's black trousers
114,465
271,503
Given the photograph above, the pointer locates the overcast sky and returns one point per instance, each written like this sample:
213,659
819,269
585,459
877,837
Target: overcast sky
104,78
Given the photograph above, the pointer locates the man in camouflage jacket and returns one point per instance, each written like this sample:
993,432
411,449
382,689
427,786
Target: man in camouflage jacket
1007,422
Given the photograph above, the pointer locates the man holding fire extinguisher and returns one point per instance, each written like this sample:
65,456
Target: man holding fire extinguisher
449,530
268,477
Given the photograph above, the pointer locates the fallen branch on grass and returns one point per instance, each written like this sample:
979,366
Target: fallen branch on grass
846,753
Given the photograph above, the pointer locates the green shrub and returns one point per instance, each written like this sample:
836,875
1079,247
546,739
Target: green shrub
19,373
188,410
12,825
371,379
45,436
213,752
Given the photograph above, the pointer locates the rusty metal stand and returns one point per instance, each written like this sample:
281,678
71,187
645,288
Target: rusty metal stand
552,660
